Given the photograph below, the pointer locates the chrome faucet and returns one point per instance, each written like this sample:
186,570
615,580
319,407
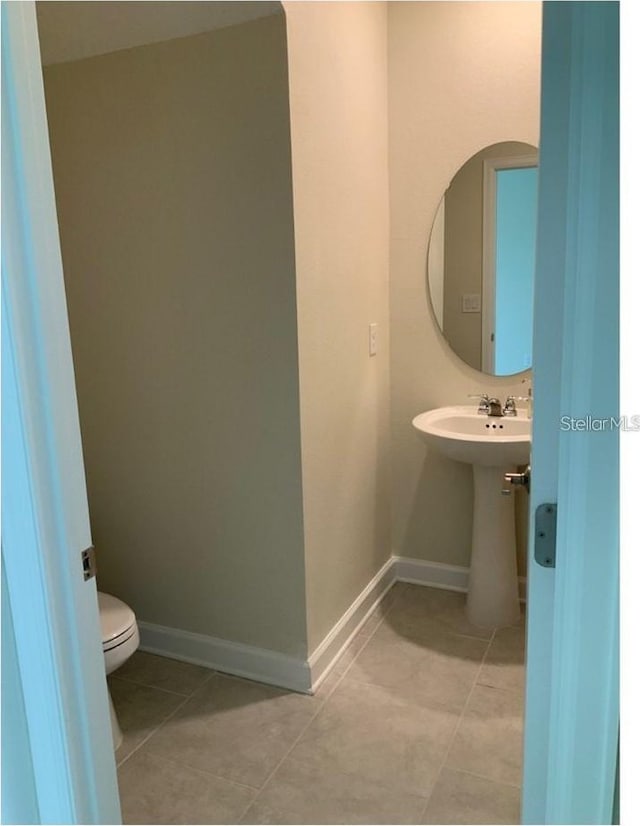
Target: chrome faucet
487,406
495,407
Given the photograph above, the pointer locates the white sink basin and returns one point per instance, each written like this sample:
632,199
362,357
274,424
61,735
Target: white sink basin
493,445
462,434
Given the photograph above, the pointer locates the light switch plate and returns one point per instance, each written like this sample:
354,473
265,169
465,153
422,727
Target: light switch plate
373,339
471,303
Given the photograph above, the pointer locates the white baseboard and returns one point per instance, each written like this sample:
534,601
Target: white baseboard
327,653
434,574
259,664
294,673
439,575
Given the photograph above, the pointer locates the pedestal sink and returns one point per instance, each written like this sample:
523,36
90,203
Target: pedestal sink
493,446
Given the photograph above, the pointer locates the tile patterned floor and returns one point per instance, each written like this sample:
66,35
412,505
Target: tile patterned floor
420,722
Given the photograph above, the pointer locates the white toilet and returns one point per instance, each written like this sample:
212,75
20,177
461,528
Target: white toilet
120,638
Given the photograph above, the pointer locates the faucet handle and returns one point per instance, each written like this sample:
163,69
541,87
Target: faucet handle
484,405
510,408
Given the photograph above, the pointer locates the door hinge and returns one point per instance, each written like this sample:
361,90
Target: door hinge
89,567
544,548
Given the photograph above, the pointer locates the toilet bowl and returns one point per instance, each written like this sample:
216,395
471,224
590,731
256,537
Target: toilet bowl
120,638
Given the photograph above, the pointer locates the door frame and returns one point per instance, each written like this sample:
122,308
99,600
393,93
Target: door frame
45,521
572,682
55,666
490,168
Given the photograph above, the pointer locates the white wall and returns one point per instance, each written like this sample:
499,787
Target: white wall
338,95
462,76
172,169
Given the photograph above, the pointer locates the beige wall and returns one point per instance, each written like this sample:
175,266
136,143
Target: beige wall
338,89
461,76
75,29
202,451
172,169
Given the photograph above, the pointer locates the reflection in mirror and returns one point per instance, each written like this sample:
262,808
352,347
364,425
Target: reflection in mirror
481,259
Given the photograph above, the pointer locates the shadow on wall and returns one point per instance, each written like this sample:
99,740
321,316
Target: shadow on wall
438,527
439,524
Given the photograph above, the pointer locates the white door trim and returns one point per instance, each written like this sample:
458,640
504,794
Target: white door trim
490,166
572,690
45,517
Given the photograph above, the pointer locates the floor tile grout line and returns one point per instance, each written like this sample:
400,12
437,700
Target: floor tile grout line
293,745
360,650
456,728
366,641
256,791
377,625
380,619
158,688
335,687
164,720
473,636
517,691
319,709
289,750
152,732
246,786
369,638
429,706
486,777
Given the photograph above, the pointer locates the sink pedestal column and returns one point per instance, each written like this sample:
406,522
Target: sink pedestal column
493,577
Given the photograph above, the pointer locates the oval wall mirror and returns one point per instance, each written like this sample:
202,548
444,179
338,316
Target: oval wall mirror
481,259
